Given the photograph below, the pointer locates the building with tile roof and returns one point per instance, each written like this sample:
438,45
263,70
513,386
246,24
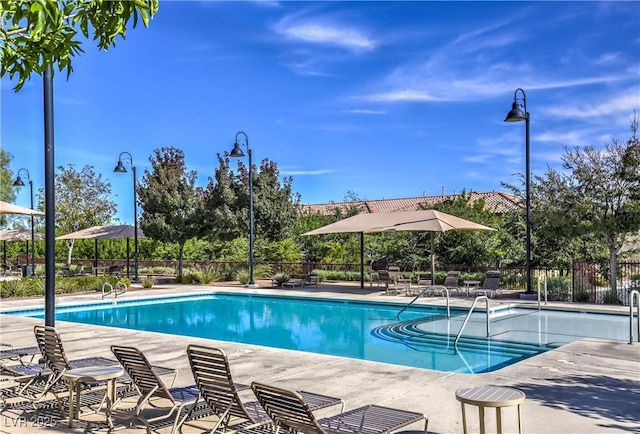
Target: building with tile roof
497,201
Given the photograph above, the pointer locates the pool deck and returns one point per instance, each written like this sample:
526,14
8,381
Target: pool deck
589,386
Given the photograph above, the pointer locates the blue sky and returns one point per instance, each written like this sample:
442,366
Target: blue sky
385,99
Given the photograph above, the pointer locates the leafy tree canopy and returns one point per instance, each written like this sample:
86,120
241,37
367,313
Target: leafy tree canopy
37,34
83,199
596,195
170,201
275,204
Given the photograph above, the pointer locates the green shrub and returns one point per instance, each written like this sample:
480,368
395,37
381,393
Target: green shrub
206,274
281,278
582,297
262,271
243,276
148,282
611,297
16,288
558,288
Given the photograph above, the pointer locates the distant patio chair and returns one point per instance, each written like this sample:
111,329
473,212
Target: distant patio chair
490,285
451,281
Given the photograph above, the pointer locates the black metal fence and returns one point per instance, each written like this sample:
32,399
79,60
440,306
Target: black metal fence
592,282
587,282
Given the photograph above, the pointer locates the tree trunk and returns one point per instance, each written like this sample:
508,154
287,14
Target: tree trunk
180,252
613,259
69,251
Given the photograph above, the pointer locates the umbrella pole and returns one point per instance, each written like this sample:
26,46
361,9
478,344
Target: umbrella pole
95,261
433,260
361,260
128,258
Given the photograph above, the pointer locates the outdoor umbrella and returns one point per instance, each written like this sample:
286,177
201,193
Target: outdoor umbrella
9,208
105,233
16,235
422,220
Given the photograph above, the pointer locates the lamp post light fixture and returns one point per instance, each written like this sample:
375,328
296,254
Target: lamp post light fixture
517,115
121,169
236,152
20,183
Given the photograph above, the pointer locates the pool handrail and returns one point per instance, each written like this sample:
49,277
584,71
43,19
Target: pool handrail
114,291
444,288
545,290
466,320
635,294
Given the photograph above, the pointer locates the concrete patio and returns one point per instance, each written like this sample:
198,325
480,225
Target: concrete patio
590,386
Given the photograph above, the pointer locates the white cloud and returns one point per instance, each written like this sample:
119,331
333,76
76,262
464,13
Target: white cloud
622,103
325,32
366,112
607,59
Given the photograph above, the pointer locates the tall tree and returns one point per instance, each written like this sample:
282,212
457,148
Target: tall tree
83,199
275,204
170,201
37,34
473,248
596,195
7,192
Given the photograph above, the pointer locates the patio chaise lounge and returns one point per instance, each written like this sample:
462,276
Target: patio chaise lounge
490,284
36,381
294,282
212,374
290,412
155,396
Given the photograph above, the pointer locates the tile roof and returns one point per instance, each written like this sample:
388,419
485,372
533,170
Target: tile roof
498,202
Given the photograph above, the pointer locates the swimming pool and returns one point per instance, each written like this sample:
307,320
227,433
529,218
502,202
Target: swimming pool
423,337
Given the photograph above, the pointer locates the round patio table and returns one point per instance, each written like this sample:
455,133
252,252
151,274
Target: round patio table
490,396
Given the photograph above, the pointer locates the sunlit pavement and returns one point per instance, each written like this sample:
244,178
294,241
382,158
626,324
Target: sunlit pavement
590,386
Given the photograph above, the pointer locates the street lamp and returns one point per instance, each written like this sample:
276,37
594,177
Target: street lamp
20,183
517,115
237,153
121,169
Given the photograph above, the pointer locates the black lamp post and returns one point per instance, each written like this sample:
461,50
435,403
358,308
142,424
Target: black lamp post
236,152
121,169
517,115
20,183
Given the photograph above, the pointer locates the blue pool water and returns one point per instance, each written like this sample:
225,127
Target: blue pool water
423,337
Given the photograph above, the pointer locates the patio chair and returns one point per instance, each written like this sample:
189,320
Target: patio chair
289,411
153,392
212,374
37,381
451,281
490,284
424,279
17,354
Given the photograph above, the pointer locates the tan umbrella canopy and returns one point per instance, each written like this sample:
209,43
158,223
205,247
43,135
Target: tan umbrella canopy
421,220
103,232
10,208
106,233
19,235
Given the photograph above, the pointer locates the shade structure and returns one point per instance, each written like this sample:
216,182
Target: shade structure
19,235
10,208
421,220
105,233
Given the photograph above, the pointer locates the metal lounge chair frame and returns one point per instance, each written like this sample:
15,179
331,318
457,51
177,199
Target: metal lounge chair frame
490,284
212,374
151,389
289,411
37,381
